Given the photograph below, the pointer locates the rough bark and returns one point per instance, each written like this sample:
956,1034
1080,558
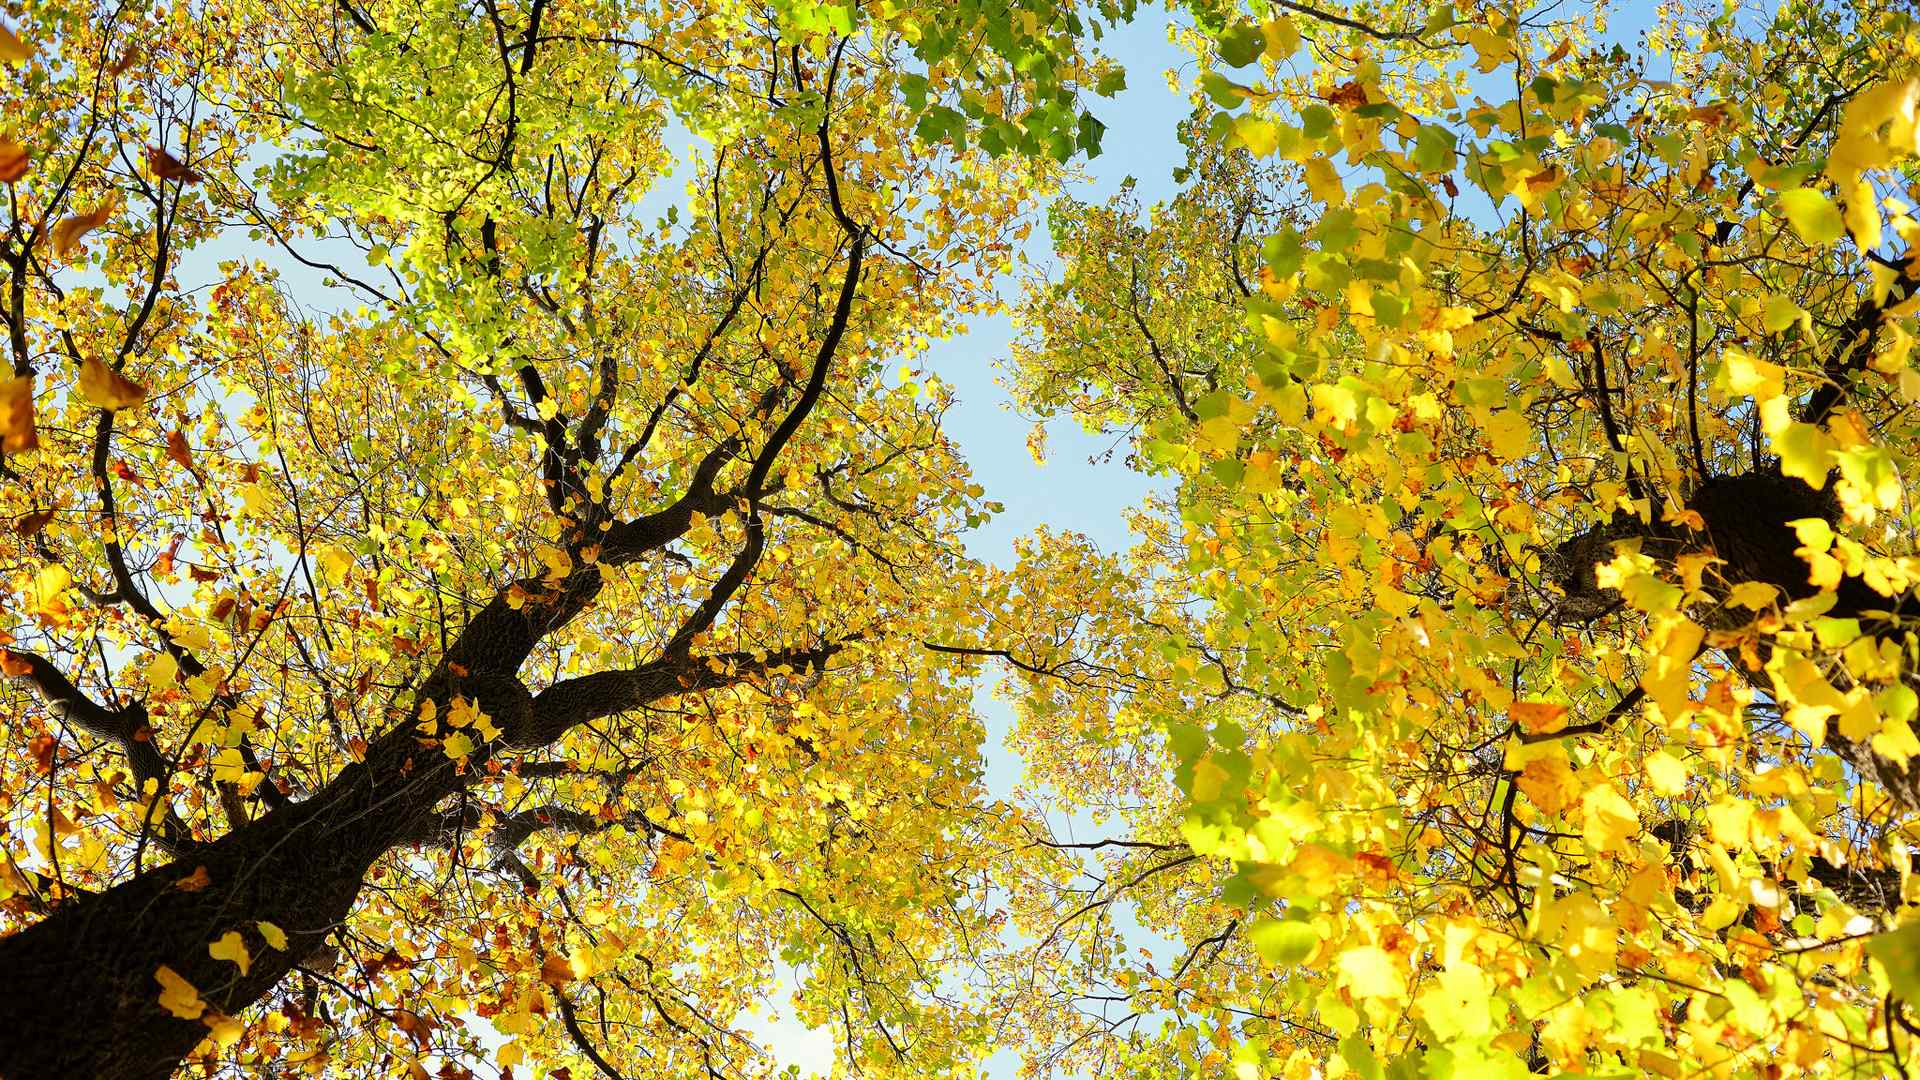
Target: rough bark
80,997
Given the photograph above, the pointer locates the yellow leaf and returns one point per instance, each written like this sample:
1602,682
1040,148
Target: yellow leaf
1860,145
1528,187
1668,678
1805,450
70,230
1209,779
458,746
1259,135
1722,912
1863,217
1283,39
1895,741
1371,972
1324,182
1899,954
1812,215
272,935
1749,376
1490,49
229,766
1338,403
1455,1003
1608,820
1509,434
106,388
177,995
1582,927
49,593
335,562
231,948
1538,716
1666,773
1549,782
224,1030
558,562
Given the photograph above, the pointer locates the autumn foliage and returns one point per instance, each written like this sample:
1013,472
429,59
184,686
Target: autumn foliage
485,590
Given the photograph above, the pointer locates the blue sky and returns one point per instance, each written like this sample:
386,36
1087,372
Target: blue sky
1070,490
1067,492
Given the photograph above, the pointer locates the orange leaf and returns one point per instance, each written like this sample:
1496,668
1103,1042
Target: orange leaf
12,663
1545,178
1538,716
13,160
556,970
13,49
195,881
1348,95
17,433
126,61
178,451
106,388
68,233
31,524
41,747
165,166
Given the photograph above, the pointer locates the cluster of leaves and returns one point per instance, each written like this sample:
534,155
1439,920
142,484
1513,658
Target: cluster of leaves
1519,677
460,619
569,621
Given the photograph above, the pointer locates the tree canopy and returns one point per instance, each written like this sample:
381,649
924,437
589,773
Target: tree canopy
486,585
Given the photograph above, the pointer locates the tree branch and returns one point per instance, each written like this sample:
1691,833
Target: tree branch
604,693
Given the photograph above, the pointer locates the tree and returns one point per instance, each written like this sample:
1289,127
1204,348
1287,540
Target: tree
1520,678
566,615
531,630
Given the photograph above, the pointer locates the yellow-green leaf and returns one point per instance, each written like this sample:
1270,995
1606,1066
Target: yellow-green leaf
1812,215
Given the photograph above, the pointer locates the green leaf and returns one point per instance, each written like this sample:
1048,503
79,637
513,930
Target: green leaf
1812,215
1433,149
1316,121
1899,954
1283,943
1781,313
1223,91
1242,44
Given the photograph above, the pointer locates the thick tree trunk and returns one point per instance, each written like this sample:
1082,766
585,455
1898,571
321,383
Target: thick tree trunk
78,993
79,997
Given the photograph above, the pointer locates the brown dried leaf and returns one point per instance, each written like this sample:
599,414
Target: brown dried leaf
178,451
14,160
165,166
17,431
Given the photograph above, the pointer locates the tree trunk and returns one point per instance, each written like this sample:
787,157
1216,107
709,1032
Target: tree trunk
79,997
